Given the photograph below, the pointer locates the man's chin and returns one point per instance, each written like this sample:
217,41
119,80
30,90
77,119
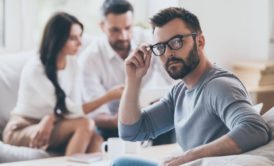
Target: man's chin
121,46
175,75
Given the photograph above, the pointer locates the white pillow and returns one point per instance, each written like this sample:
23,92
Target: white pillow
258,108
269,118
11,66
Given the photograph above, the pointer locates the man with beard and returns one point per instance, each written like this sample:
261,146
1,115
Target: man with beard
102,63
209,109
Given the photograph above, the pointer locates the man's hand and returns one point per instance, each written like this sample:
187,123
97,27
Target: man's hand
138,62
115,92
219,147
106,121
175,160
42,133
136,66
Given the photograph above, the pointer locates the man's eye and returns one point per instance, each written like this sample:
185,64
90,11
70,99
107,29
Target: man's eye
114,30
160,47
176,43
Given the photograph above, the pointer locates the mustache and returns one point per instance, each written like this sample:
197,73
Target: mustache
174,59
122,41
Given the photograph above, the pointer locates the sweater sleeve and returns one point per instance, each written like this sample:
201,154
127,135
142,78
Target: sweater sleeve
229,101
155,120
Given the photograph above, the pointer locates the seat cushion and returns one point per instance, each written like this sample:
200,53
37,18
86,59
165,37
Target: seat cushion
9,153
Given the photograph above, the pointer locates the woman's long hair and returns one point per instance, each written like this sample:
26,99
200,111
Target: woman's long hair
55,36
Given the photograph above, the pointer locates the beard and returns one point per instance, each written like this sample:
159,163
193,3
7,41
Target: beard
120,45
178,68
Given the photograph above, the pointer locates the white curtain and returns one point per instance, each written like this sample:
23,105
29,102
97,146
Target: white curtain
271,49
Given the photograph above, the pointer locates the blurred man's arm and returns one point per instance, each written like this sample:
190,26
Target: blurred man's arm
91,78
106,121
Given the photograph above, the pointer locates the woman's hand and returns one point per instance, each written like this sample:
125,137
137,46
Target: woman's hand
41,134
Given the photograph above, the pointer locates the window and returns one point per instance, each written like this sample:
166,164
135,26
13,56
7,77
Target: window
2,23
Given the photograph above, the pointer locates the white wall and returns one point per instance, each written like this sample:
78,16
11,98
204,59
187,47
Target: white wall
12,31
19,26
154,6
235,30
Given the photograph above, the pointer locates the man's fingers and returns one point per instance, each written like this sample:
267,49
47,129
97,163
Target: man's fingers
140,58
147,60
134,62
145,49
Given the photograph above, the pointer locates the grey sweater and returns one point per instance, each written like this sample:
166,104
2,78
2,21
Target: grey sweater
217,105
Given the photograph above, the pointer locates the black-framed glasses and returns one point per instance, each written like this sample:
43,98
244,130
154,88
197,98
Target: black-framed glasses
174,43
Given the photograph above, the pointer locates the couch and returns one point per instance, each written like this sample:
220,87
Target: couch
10,69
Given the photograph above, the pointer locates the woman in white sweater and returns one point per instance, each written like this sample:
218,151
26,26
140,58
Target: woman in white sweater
49,113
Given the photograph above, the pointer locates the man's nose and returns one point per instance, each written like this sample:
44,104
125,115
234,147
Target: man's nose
80,41
124,35
169,52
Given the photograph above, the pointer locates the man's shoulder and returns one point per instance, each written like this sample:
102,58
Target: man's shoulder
92,51
218,75
224,83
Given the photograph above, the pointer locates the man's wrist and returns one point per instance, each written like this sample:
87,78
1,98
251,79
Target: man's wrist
133,82
190,155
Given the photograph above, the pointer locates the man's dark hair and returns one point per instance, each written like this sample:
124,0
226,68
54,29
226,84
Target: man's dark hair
166,15
116,7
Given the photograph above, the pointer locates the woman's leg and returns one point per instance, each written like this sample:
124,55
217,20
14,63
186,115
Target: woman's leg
125,161
18,131
95,143
76,132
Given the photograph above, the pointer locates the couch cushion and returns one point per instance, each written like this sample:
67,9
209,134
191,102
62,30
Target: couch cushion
11,66
9,153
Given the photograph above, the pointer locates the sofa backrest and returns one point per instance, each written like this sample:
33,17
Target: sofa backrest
11,66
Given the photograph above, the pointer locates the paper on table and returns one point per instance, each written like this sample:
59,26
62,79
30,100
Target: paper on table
149,95
85,158
102,163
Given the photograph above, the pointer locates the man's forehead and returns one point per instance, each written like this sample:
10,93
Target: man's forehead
117,18
170,29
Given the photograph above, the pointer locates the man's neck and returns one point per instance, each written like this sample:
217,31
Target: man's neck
123,54
192,79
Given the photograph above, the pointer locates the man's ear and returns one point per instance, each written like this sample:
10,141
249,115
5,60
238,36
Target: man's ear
102,25
201,41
